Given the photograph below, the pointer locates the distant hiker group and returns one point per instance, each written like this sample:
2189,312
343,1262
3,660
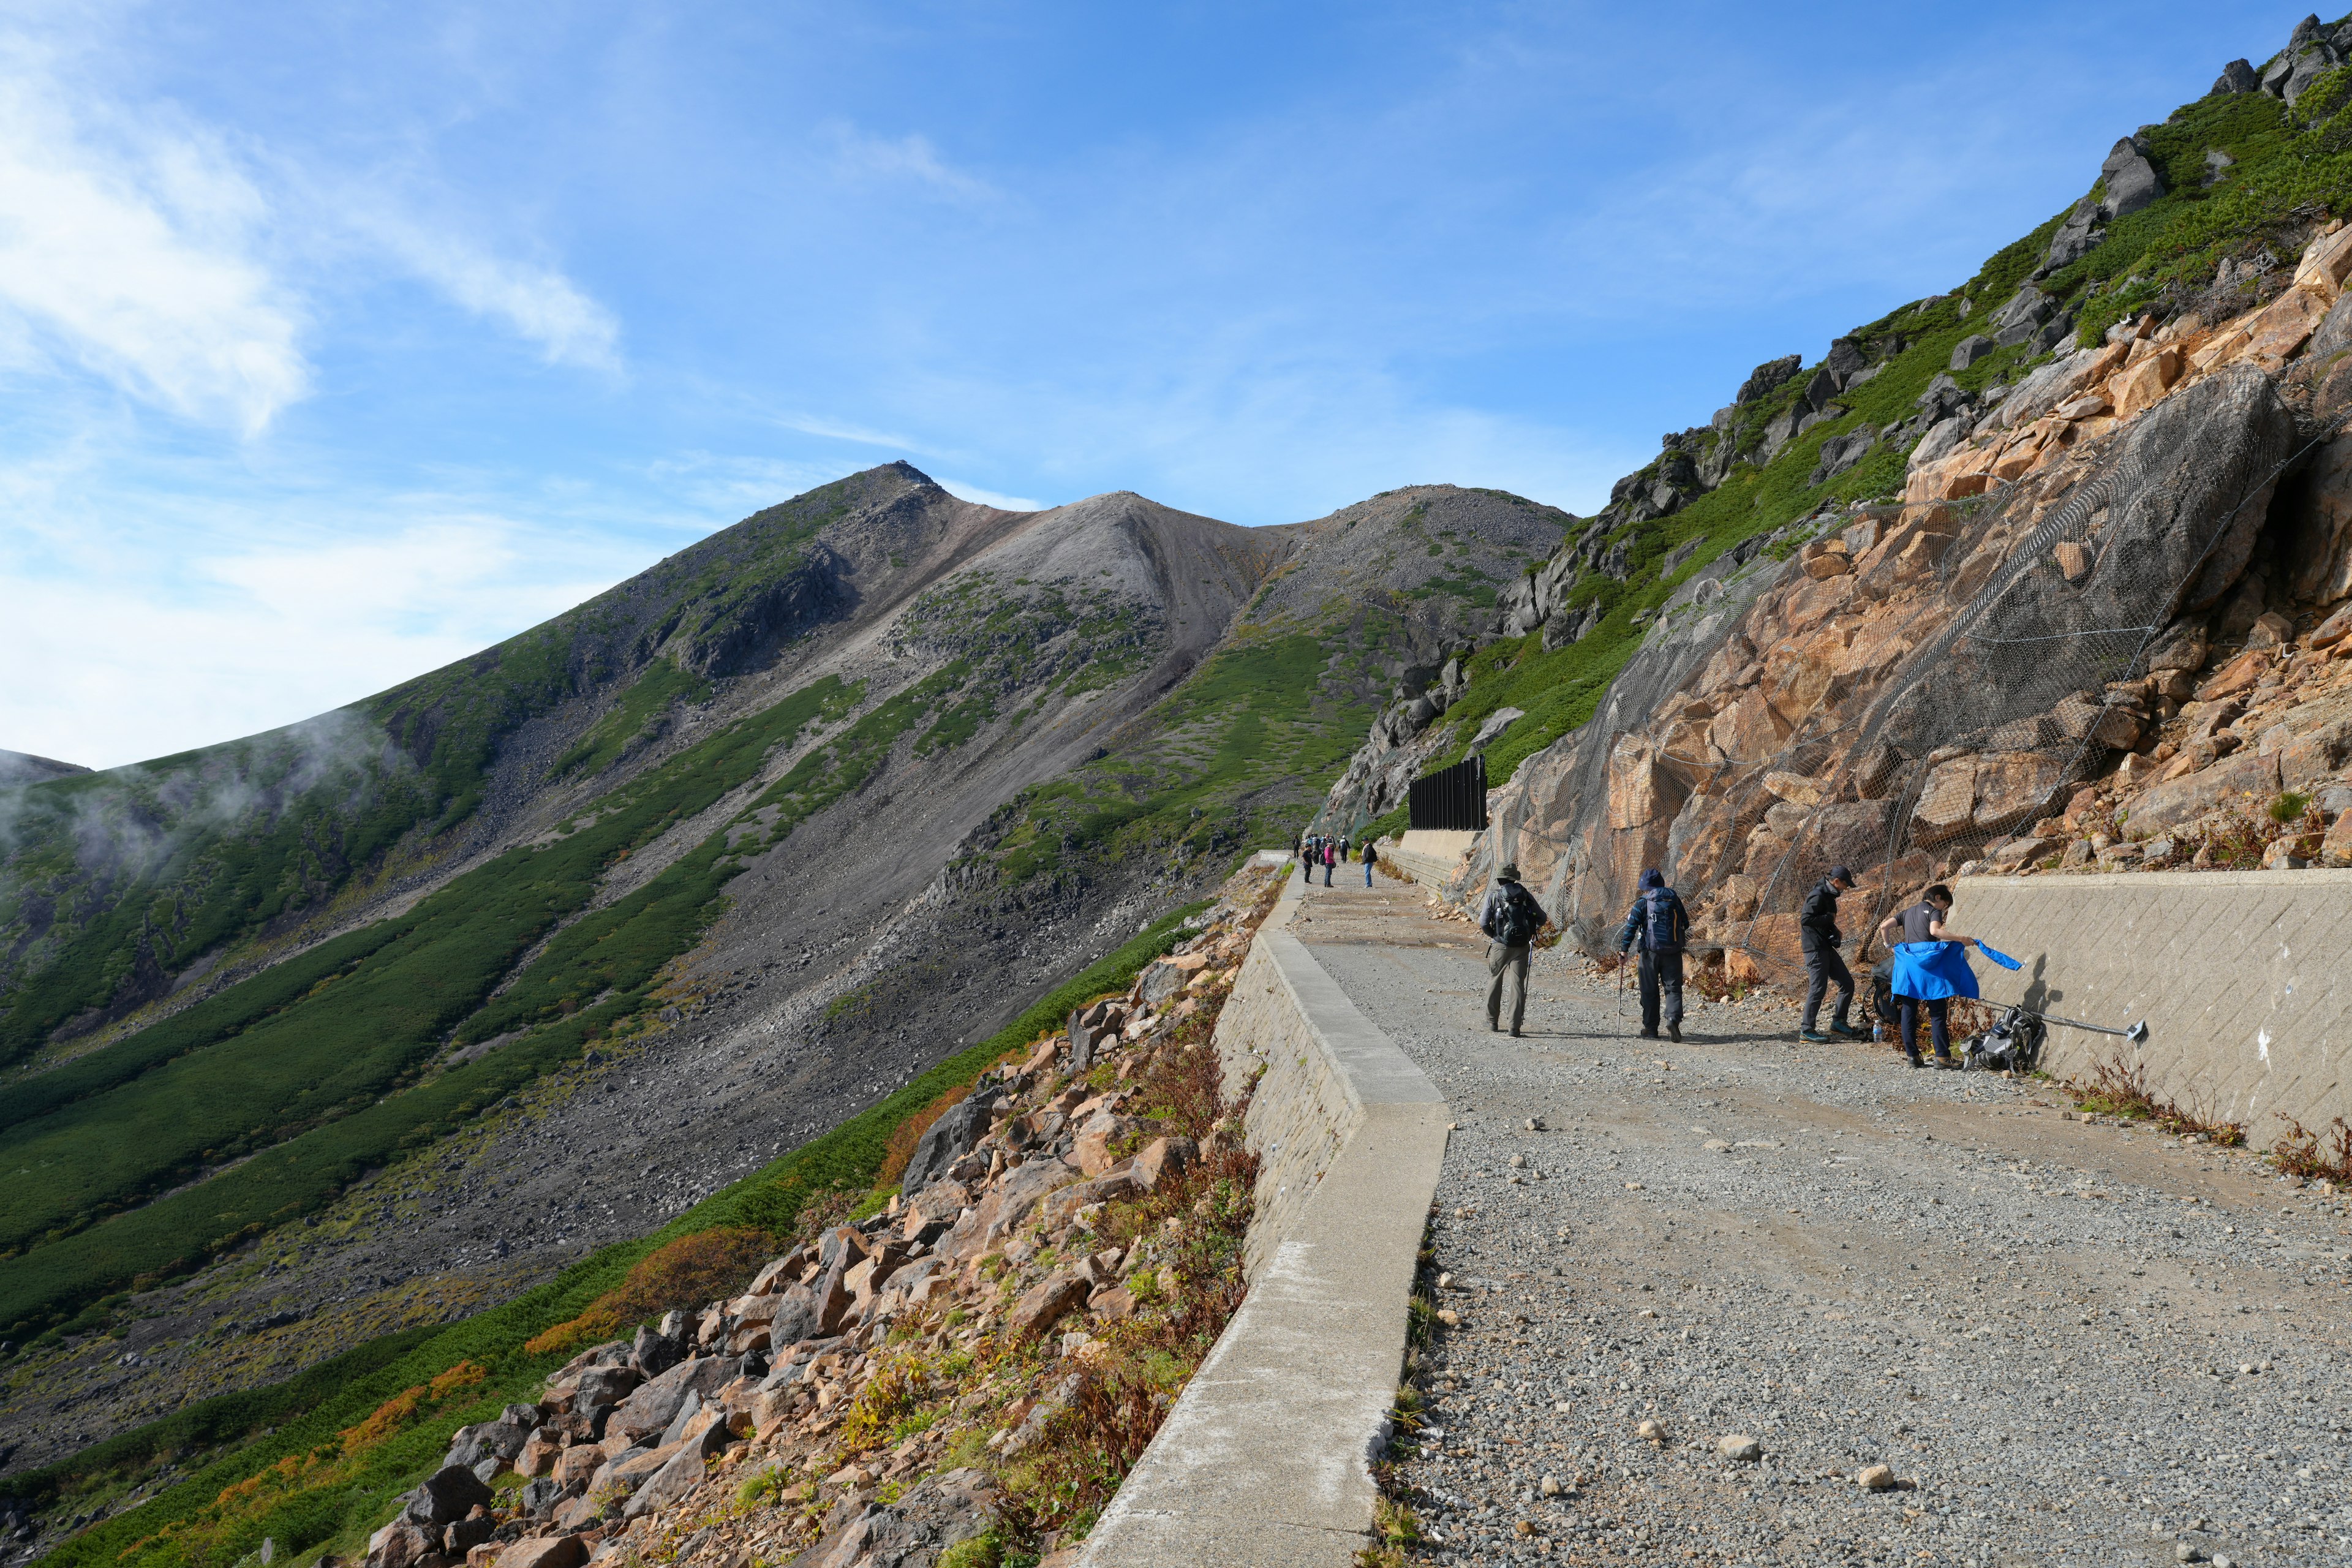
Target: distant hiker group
1926,964
1321,849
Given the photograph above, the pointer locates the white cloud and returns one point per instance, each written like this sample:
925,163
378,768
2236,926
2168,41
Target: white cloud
536,303
996,498
179,267
860,156
839,430
122,648
133,249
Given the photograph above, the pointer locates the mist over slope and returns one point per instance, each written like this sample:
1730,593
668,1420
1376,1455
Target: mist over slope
781,822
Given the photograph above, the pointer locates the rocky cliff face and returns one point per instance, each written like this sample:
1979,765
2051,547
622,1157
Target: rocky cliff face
2043,658
1962,588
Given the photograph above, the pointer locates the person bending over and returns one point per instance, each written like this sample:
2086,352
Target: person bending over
1931,967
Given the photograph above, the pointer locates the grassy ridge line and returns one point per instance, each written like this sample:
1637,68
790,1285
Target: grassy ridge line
848,1156
256,1087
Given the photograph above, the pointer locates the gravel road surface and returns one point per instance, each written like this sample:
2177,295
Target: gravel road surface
2069,1342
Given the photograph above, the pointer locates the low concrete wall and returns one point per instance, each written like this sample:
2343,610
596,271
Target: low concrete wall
2244,979
1266,1458
1430,857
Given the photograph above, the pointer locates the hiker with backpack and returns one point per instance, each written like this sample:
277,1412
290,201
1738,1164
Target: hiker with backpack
1369,855
1931,967
1512,919
1824,967
1660,923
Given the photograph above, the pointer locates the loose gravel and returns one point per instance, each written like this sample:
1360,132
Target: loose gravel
2068,1343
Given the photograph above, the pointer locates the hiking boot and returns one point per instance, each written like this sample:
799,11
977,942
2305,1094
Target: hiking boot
1946,1060
1914,1059
1674,1032
1649,1033
1847,1031
1812,1037
1517,1035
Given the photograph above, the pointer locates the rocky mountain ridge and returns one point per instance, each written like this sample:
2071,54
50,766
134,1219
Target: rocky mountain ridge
795,815
2137,293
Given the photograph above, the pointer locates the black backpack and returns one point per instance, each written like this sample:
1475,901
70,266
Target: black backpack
1520,918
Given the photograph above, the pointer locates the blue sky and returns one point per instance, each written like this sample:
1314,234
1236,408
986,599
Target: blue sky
339,340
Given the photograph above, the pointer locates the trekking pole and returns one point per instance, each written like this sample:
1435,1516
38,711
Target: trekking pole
2137,1034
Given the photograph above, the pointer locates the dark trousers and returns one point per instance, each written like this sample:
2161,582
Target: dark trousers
1939,1027
1824,968
1662,983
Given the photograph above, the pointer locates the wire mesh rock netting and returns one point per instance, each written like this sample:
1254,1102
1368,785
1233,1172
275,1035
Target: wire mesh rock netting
1930,680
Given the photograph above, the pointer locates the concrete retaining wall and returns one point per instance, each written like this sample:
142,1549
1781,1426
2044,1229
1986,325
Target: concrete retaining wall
1266,1459
1430,857
2244,979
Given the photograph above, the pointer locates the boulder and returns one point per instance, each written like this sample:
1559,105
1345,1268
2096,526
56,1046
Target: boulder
539,1455
958,1130
446,1497
500,1440
545,1551
2238,76
705,1436
1045,1304
603,1385
2176,801
576,1464
1160,1159
937,1512
399,1545
2282,329
1970,349
2136,389
654,1406
654,1354
2132,181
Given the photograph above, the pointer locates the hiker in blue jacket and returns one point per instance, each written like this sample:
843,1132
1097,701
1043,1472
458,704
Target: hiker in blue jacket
1660,923
1931,967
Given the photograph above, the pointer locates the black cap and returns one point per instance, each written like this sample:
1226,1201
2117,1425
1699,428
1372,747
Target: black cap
1839,874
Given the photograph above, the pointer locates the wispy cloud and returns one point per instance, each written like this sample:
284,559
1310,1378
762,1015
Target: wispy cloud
183,267
996,498
114,666
134,250
535,303
841,430
858,155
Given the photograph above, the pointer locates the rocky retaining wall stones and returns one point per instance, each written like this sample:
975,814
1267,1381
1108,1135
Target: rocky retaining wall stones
2241,978
1267,1456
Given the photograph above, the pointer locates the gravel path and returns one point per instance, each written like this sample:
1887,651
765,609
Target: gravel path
2073,1343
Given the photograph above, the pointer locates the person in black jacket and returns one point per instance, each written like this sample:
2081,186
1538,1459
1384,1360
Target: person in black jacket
1660,923
1823,965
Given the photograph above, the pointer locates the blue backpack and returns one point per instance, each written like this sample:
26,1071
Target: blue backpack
1664,921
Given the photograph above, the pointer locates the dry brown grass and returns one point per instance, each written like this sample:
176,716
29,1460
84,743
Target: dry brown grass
685,1273
2119,1088
900,1152
2300,1152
